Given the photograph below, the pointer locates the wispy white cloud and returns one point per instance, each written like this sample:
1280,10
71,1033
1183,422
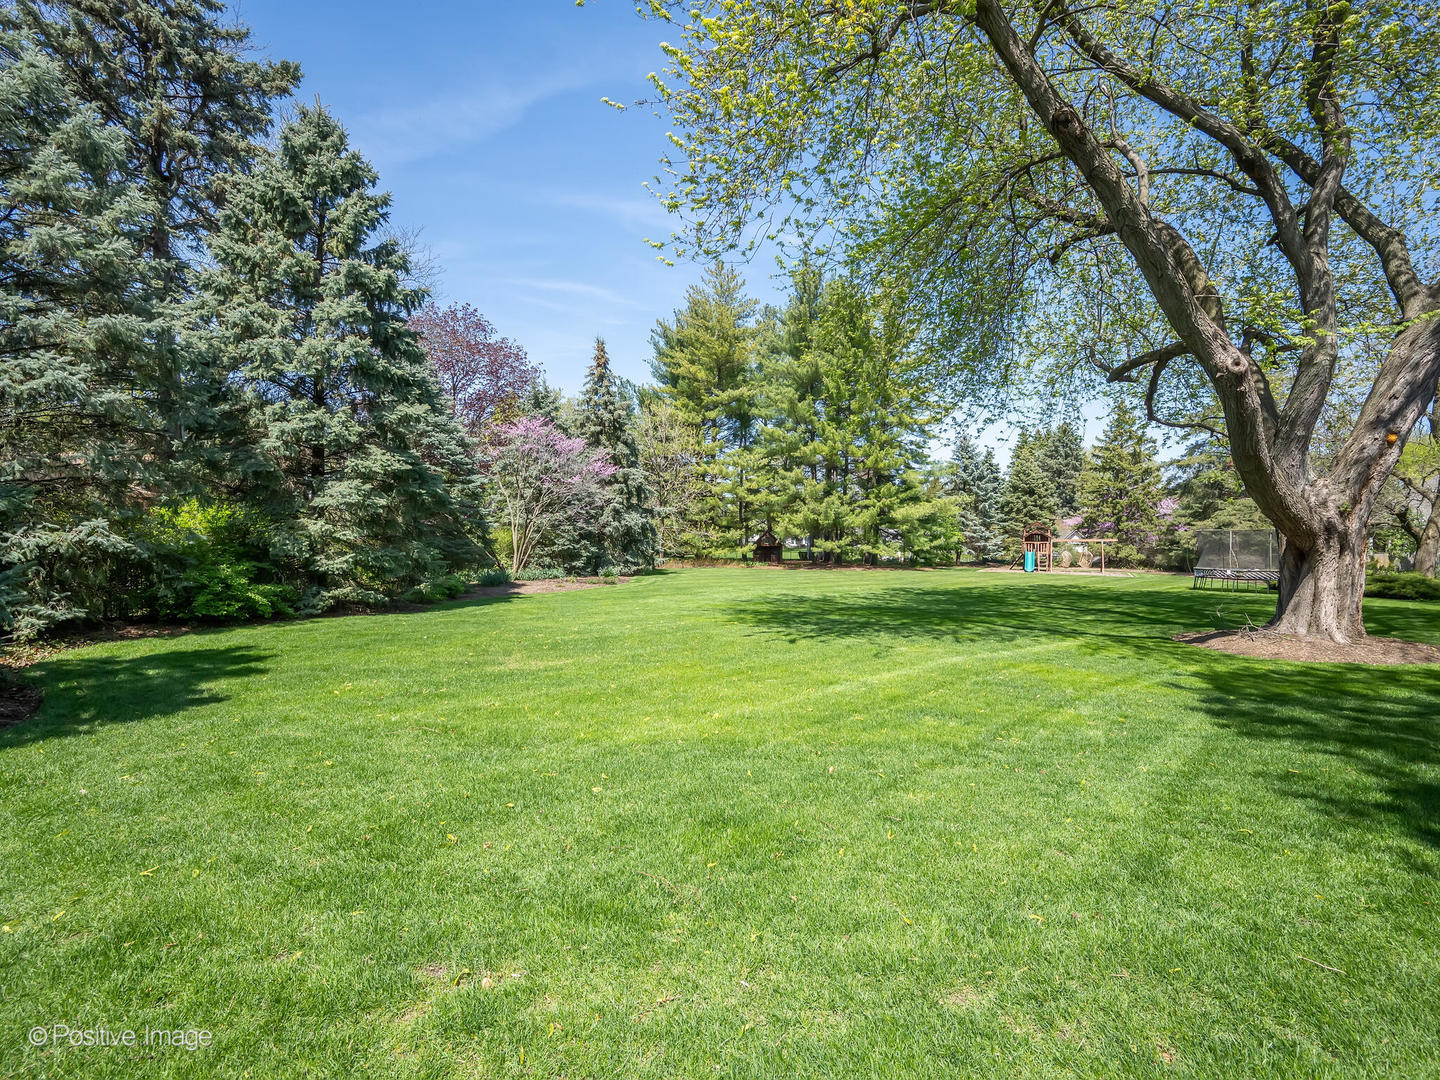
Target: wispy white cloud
403,134
645,211
578,289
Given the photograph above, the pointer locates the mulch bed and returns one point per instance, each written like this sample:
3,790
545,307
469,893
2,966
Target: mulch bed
18,702
1268,645
531,588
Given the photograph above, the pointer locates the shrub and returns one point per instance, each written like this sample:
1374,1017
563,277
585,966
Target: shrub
496,575
228,590
209,563
541,573
1398,586
436,589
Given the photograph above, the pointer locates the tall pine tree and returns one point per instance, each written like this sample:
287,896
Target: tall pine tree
977,481
1029,496
625,536
847,412
1061,452
173,79
373,488
76,376
1120,488
705,360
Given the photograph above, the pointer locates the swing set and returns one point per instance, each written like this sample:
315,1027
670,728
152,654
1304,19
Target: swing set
1037,549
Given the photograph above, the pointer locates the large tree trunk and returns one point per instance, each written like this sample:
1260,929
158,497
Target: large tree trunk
1321,589
1324,523
1428,553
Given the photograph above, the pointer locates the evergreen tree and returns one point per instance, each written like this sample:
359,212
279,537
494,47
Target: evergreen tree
1029,495
791,465
625,536
889,423
1061,453
704,362
76,375
172,79
977,482
1120,489
848,418
546,402
373,487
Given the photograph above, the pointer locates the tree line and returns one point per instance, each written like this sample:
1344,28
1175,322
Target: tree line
817,421
1227,218
223,391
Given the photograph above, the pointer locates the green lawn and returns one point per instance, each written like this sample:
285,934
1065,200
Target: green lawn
748,823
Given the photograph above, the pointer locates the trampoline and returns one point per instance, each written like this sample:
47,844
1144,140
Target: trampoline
1236,559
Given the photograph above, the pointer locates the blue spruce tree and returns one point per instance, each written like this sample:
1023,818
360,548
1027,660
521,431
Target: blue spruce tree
977,480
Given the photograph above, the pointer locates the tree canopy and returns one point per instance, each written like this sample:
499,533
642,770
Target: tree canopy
1226,207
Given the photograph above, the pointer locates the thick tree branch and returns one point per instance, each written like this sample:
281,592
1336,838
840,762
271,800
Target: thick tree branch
1248,155
1388,243
1126,372
1171,269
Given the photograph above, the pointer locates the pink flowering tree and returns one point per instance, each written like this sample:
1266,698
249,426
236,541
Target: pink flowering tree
541,483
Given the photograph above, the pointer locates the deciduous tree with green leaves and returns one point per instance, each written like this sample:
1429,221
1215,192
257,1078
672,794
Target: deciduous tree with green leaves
1418,474
1228,198
670,453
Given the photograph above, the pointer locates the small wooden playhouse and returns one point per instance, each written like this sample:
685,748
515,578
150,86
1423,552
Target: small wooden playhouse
769,548
1037,538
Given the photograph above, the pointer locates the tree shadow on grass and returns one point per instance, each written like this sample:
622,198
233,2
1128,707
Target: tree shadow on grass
83,691
1113,618
1381,722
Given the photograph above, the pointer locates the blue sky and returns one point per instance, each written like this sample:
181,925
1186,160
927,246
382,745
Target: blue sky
485,122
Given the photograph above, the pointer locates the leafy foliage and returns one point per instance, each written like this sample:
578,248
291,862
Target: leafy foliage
210,562
1402,586
670,451
1227,210
484,375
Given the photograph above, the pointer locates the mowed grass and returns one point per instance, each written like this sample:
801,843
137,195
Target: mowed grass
732,823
